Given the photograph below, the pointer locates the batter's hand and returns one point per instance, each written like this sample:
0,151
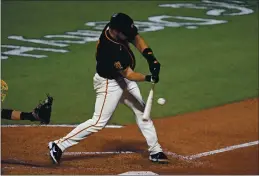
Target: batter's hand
154,68
152,78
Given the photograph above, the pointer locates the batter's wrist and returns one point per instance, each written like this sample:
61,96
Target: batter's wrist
148,54
152,78
148,78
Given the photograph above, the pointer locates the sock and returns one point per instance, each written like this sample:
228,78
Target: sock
27,116
6,114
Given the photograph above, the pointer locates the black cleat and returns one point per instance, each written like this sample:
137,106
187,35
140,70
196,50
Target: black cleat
43,111
55,152
159,158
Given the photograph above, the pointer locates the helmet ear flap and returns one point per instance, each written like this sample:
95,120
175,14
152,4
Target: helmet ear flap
132,33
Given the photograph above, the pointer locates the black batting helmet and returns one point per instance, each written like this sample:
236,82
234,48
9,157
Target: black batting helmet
124,24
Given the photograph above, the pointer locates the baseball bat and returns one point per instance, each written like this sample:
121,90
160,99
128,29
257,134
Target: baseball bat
147,110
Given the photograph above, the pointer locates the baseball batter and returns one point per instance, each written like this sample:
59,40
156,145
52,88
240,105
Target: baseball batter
115,82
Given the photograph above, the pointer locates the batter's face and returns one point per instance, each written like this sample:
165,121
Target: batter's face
118,35
121,36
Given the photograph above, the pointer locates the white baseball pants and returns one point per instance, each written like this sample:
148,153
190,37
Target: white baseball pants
108,94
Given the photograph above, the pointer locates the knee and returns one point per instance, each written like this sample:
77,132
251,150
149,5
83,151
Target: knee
98,123
98,126
92,125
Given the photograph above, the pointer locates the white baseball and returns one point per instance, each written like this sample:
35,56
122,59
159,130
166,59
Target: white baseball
161,101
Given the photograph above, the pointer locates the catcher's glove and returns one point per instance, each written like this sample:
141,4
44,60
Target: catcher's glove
43,111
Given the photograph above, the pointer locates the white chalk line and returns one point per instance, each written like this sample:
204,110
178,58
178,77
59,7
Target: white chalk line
97,153
229,148
57,125
191,157
119,152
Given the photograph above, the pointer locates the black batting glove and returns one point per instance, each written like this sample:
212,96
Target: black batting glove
152,78
154,68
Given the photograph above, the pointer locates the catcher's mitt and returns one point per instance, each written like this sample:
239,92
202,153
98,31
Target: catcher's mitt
43,111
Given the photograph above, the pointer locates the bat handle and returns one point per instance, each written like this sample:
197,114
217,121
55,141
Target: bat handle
153,85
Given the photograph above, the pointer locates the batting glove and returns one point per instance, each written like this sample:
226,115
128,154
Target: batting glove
155,68
152,78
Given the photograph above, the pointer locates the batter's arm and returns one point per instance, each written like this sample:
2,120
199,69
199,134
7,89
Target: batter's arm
139,77
139,43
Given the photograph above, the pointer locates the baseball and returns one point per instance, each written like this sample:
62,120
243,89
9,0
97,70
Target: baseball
161,101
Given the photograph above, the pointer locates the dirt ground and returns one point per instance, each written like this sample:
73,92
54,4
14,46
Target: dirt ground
24,150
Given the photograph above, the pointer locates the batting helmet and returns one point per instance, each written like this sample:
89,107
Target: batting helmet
124,24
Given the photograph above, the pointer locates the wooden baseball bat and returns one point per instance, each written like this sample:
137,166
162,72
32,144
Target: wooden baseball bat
148,107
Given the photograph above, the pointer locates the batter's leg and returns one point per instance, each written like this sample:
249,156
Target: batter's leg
108,95
133,99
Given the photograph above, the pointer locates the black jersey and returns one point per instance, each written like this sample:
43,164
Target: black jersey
113,56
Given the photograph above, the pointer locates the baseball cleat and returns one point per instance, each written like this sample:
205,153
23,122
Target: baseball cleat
159,157
43,111
55,152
